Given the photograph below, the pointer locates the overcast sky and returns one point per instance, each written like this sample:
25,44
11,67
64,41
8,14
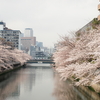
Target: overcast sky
48,18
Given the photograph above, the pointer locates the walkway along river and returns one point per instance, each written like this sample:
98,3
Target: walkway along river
38,83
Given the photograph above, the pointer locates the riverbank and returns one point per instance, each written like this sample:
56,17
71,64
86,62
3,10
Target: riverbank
92,91
89,91
15,66
79,58
11,58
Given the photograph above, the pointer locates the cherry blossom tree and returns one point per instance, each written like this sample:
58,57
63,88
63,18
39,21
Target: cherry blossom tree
10,56
78,58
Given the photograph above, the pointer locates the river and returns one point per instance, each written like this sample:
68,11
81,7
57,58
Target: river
38,83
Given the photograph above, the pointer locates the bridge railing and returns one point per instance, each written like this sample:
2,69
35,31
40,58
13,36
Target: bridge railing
40,60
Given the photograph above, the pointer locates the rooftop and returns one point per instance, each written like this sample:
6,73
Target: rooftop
2,22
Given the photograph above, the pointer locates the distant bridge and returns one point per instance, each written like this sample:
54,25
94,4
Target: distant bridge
41,61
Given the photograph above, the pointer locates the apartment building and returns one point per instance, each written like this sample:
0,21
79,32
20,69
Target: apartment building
10,35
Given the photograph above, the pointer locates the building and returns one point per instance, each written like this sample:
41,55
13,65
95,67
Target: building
40,55
28,32
36,53
99,11
12,36
26,42
85,28
22,35
39,44
90,25
2,25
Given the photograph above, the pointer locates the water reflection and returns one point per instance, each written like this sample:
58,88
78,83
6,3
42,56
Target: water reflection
33,83
38,83
64,90
11,84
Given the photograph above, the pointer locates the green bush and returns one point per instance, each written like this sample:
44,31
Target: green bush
91,88
95,21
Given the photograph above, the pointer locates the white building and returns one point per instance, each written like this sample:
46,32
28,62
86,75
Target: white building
28,32
12,36
2,25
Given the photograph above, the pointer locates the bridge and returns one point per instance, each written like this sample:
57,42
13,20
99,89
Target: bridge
41,61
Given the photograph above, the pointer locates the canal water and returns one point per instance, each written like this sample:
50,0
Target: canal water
38,83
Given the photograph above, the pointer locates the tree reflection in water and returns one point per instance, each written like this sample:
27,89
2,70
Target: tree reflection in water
63,90
11,85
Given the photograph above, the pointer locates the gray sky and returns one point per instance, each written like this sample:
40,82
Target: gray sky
48,18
